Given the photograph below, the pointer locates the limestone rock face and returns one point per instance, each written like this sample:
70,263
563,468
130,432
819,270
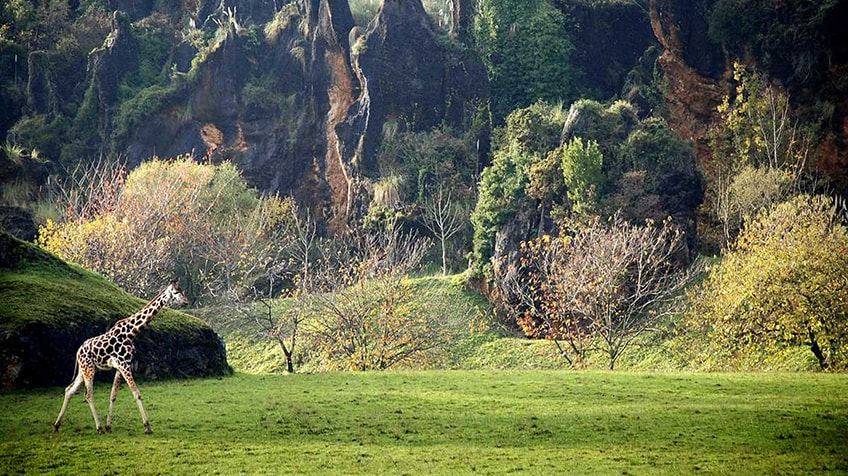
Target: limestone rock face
694,89
301,111
609,39
698,71
408,78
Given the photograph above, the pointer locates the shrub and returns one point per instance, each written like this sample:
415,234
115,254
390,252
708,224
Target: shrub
783,283
174,218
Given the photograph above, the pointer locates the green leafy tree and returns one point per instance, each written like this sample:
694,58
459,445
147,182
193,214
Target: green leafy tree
526,139
783,283
758,130
581,170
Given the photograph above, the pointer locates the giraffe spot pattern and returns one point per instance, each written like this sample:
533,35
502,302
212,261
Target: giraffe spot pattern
115,349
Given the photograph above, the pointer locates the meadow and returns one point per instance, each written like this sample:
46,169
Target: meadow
444,422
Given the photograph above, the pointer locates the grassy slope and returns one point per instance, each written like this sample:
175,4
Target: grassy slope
37,286
456,422
49,307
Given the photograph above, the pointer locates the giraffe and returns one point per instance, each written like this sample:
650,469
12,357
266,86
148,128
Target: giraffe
115,349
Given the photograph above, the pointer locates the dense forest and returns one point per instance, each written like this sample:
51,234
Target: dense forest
608,174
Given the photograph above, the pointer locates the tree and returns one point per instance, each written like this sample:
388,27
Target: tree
304,245
581,169
171,218
376,325
783,283
758,131
604,287
526,139
375,318
749,191
444,220
283,329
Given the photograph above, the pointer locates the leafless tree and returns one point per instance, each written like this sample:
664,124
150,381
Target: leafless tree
371,315
91,188
283,329
610,283
305,242
518,294
444,219
385,323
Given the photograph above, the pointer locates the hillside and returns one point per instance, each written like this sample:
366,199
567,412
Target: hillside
50,307
258,150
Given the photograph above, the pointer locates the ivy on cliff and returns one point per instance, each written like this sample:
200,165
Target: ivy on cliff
527,49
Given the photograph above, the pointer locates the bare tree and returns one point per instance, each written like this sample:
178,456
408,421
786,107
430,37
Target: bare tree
91,188
444,219
610,283
304,245
517,292
371,317
283,329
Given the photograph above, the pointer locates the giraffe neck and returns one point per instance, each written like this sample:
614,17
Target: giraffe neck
140,319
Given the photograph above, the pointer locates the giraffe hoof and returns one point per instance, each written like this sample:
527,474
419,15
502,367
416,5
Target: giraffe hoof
55,429
148,430
100,430
108,428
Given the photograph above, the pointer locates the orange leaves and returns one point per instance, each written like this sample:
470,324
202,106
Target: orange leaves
607,284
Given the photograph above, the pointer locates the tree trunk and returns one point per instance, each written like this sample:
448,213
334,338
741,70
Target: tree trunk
444,259
817,351
289,363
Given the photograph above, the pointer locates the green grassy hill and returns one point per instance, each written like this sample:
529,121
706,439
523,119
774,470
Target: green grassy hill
49,307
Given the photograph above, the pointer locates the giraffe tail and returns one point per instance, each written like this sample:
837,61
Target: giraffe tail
76,371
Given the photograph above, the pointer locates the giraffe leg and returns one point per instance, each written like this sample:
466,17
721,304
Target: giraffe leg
70,391
127,373
88,378
114,396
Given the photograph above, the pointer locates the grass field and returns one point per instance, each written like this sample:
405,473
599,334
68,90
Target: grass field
456,422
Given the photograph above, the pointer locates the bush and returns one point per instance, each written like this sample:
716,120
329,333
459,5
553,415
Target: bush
783,283
609,162
175,218
785,35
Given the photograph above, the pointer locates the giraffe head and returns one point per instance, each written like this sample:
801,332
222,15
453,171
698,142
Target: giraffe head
174,295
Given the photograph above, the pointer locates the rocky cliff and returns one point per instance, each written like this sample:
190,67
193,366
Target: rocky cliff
798,45
300,104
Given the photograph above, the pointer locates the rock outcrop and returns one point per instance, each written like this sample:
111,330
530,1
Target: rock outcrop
302,110
697,70
50,307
